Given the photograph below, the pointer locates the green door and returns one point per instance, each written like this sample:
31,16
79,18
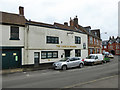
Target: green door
5,60
11,59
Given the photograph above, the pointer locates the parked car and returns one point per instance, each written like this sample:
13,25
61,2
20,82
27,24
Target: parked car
106,59
94,59
69,63
110,56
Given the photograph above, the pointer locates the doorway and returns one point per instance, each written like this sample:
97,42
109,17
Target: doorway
11,58
36,58
67,53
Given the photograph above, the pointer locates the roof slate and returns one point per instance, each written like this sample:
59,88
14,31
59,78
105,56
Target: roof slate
10,18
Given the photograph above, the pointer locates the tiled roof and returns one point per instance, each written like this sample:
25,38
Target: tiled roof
40,23
87,32
66,27
105,42
10,18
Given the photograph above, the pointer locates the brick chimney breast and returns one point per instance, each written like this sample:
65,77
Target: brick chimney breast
76,21
71,22
21,10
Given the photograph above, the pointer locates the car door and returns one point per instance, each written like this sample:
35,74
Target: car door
96,60
77,61
71,62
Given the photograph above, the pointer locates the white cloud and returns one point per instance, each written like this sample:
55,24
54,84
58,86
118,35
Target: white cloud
102,14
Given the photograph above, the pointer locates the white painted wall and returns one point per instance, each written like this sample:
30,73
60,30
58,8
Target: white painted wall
37,38
6,36
35,41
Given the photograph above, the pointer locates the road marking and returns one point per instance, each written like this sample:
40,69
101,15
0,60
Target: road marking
78,84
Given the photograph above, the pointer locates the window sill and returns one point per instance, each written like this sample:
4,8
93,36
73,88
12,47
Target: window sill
14,39
77,43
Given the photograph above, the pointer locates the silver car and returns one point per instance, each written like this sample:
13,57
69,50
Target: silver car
69,63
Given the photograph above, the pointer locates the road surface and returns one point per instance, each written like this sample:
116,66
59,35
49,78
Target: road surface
97,76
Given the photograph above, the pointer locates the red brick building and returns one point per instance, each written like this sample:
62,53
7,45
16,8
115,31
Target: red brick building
112,45
94,39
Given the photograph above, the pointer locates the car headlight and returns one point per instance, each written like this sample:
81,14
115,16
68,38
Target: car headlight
57,64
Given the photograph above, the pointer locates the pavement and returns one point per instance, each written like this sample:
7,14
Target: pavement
26,69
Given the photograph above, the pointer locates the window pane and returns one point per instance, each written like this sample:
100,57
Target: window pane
14,33
77,53
49,54
43,55
54,54
53,40
77,40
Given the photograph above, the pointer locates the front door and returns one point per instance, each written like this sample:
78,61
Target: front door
36,58
11,59
67,53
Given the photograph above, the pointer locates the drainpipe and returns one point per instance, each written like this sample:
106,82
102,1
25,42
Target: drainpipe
26,42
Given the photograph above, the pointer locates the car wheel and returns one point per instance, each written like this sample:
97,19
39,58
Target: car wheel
64,67
101,62
81,65
105,61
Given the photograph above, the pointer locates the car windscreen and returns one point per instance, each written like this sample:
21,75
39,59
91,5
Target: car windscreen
91,57
65,59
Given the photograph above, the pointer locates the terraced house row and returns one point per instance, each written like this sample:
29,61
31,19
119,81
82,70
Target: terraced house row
112,45
24,42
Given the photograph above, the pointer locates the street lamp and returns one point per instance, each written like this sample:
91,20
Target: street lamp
101,36
103,33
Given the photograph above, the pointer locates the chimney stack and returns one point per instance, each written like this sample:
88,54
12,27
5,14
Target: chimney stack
76,21
71,22
66,23
21,10
112,37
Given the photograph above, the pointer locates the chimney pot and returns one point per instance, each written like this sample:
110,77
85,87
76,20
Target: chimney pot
66,23
21,10
112,37
71,22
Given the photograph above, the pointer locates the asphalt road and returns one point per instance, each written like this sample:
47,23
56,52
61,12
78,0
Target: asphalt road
97,76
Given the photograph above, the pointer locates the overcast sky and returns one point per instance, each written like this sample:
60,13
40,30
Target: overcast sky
99,14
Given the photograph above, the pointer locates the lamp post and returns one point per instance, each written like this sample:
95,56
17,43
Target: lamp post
103,33
100,35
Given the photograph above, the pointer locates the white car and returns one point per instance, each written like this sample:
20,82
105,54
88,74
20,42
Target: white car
94,59
69,63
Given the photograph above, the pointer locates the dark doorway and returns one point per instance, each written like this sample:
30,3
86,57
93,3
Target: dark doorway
113,52
67,53
36,58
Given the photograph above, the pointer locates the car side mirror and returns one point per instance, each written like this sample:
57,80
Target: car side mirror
67,60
